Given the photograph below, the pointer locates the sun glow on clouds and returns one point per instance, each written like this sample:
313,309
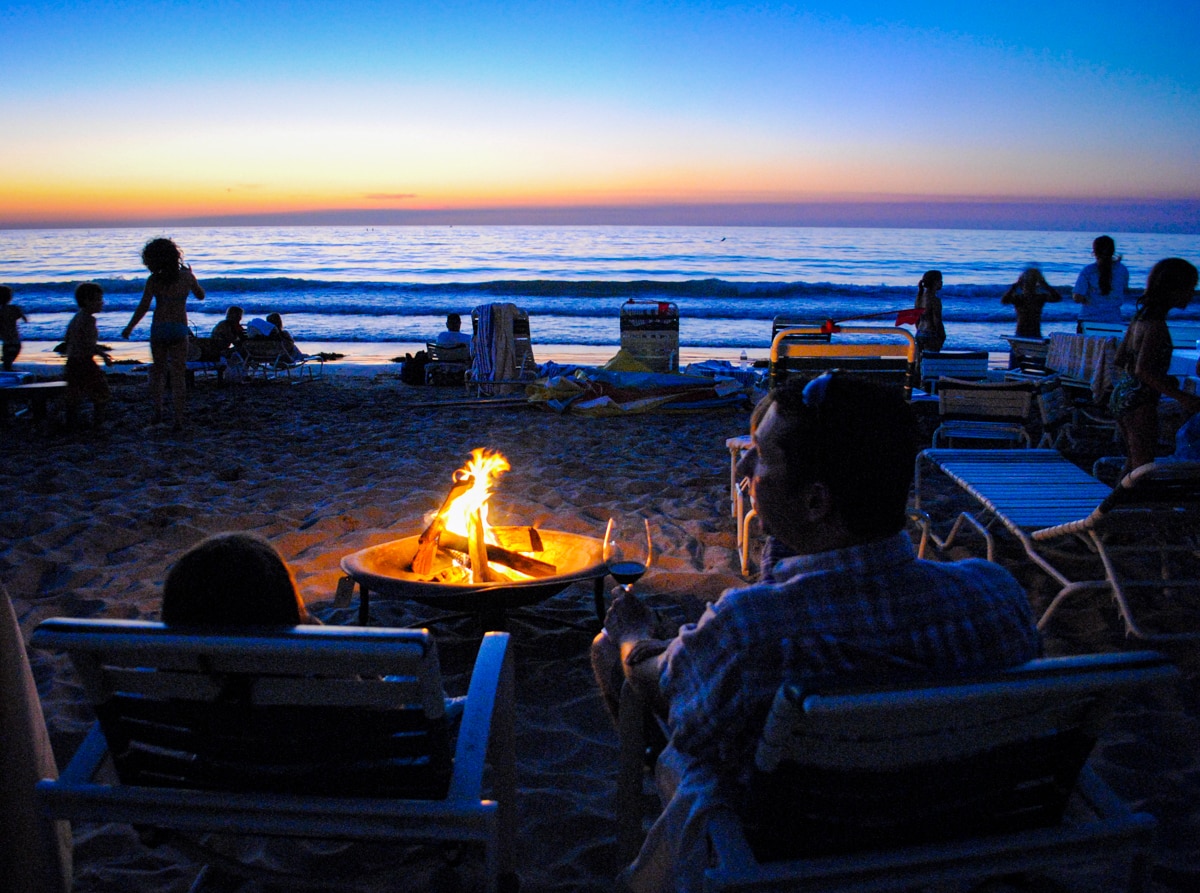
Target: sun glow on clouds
473,106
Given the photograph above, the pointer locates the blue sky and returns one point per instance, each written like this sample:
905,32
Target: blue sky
167,110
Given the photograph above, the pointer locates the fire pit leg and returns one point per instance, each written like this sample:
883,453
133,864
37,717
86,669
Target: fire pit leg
598,598
364,604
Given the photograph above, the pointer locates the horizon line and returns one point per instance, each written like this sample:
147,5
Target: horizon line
1179,216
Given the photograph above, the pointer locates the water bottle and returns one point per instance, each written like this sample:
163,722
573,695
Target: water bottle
745,361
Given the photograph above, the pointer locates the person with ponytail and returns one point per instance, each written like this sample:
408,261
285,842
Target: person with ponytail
931,332
168,286
1144,357
1101,286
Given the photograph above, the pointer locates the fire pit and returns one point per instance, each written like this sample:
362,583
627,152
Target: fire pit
462,563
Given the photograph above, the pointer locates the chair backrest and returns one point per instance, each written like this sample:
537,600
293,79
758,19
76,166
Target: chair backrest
985,401
880,353
306,710
840,770
264,350
1170,487
964,365
459,353
486,366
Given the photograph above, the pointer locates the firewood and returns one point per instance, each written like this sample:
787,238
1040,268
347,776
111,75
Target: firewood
427,542
498,555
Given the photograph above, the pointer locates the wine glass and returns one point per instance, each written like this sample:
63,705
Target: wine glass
627,549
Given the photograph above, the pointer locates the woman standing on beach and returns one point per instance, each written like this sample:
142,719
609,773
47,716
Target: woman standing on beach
1028,295
1144,357
168,286
931,332
1101,286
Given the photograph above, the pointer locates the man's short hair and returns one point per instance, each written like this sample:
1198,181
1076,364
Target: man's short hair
453,322
858,437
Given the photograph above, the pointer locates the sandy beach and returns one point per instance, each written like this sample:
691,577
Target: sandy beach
91,524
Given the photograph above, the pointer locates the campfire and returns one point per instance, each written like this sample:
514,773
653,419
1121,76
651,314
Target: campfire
472,550
460,561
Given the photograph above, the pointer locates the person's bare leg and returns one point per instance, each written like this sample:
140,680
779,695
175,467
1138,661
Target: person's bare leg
158,380
177,369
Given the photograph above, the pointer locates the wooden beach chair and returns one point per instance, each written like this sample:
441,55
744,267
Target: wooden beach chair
1151,519
315,731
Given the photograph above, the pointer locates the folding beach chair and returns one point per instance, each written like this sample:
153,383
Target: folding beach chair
502,355
878,353
918,782
983,412
1041,498
268,357
315,731
446,365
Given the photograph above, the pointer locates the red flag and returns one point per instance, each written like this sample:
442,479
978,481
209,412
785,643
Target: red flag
909,317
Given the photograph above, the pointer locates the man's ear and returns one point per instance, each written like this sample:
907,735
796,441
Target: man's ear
816,502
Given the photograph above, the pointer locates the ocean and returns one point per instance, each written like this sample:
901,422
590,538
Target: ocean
396,284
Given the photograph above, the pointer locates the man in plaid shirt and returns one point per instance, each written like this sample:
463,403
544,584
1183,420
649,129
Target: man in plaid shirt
830,470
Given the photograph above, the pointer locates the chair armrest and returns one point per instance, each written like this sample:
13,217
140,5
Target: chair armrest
87,759
489,703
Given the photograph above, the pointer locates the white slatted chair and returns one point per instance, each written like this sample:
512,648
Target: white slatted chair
1042,499
905,786
318,732
983,412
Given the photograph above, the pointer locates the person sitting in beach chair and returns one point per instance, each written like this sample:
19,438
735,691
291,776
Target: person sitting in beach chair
453,336
227,335
830,468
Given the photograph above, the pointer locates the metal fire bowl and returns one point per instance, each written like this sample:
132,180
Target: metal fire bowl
383,569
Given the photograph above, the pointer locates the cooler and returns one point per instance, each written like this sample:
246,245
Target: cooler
650,332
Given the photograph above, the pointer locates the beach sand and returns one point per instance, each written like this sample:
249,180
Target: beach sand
91,524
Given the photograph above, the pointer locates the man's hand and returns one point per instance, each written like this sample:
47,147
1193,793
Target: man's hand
628,620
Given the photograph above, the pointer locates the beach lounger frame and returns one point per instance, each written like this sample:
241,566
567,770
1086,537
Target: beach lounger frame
268,357
314,731
1043,499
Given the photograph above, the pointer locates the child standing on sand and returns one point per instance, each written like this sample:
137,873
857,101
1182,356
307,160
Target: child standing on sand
9,314
168,286
84,378
1028,295
931,331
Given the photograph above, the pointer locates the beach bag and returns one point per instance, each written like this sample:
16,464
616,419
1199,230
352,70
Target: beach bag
413,369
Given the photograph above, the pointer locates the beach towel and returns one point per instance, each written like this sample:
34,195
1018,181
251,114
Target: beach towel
495,356
35,853
1086,358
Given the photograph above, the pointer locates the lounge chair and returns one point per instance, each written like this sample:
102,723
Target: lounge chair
889,356
446,365
1043,499
318,732
961,365
270,358
916,782
983,412
502,353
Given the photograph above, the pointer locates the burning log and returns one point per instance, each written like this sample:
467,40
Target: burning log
518,562
427,543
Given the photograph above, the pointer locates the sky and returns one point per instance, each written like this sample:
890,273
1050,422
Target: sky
445,111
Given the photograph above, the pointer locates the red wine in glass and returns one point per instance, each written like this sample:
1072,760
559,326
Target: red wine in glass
627,549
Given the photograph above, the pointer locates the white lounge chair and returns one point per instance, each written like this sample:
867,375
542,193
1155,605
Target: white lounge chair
320,732
1040,498
915,783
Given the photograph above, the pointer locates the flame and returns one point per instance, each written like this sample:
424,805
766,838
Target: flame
483,469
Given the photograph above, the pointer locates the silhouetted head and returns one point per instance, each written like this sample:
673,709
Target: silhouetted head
1104,246
234,314
231,580
856,437
453,322
162,256
931,281
6,295
89,296
1171,284
276,320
